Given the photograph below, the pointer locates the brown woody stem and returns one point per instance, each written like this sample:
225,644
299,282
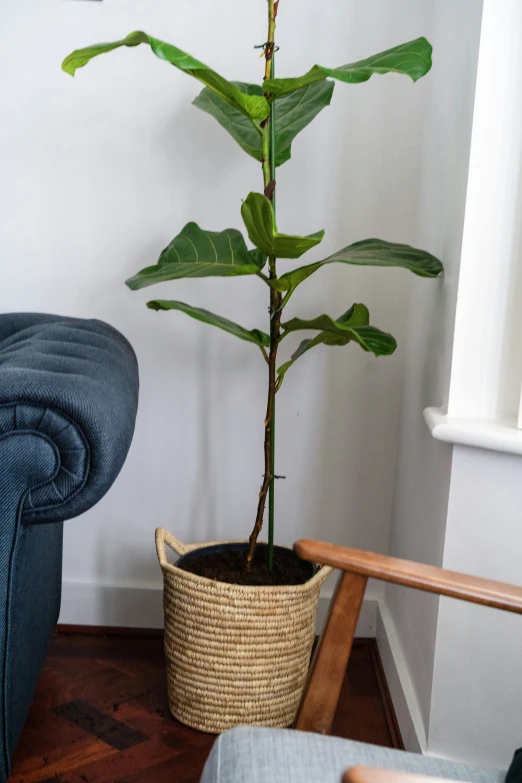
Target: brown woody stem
275,308
275,331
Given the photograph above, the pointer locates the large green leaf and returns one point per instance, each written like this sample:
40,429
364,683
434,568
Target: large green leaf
198,253
293,112
242,130
251,336
351,326
412,58
253,106
368,252
258,217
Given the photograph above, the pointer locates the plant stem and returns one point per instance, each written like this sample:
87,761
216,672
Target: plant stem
268,147
265,149
277,312
272,386
269,53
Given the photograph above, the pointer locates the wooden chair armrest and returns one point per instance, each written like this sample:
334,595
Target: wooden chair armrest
418,575
378,775
321,693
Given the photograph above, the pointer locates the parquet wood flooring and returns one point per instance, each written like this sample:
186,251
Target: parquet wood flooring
100,714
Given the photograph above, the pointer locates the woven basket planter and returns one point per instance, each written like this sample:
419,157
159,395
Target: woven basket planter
235,654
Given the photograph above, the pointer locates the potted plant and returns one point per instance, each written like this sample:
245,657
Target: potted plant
240,617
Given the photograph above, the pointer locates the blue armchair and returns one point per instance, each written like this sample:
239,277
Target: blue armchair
68,401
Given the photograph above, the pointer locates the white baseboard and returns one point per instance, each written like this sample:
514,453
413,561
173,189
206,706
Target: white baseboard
367,625
401,688
127,606
119,606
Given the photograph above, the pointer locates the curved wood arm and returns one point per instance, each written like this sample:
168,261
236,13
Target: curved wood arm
322,690
418,575
377,775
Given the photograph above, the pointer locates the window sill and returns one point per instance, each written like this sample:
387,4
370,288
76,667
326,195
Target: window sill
493,434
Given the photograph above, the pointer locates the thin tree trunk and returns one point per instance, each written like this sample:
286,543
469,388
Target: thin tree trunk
275,304
275,331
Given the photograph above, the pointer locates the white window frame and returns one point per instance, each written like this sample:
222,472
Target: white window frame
486,365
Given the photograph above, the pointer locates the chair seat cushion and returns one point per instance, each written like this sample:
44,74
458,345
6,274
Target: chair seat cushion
259,755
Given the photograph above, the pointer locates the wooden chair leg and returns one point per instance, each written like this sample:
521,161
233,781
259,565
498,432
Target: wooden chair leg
321,694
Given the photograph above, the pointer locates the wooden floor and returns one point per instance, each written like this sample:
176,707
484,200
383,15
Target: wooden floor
100,715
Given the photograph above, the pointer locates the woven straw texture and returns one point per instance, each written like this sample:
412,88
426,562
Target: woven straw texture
236,655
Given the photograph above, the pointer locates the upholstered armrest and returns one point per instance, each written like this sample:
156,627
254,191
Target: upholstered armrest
73,383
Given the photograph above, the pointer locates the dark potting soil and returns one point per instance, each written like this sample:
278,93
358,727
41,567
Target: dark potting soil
230,567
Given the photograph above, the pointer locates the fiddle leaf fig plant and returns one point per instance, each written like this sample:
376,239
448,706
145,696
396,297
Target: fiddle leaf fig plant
264,120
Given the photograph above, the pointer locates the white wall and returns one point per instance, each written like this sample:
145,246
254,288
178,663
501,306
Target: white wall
457,506
99,173
477,689
424,465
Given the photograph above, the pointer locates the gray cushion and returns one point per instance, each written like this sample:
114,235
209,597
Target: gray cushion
259,755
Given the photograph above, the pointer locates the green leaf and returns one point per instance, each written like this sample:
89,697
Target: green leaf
242,130
412,58
198,253
295,111
368,252
253,106
252,336
258,217
357,315
353,325
292,112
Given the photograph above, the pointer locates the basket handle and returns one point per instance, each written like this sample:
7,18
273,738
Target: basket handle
164,537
